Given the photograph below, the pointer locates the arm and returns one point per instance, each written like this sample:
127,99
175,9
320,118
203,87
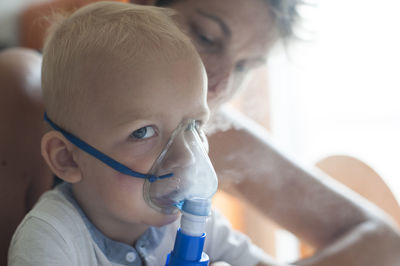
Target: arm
302,201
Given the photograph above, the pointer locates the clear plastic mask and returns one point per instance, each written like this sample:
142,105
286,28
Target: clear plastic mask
193,176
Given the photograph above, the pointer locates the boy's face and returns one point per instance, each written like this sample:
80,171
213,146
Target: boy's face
130,117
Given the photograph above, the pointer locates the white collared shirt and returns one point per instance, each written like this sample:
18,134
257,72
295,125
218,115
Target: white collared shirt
57,232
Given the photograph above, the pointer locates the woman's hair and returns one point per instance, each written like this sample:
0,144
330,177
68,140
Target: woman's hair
286,16
285,12
100,40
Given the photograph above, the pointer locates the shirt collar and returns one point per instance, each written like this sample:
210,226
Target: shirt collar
117,252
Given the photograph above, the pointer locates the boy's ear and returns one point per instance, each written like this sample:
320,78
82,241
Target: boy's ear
144,2
57,152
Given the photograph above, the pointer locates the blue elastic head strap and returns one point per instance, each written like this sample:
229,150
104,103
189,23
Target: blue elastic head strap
101,156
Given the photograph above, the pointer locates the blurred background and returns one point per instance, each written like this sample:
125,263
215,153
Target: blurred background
334,92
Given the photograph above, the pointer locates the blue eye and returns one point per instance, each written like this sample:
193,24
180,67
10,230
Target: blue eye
143,133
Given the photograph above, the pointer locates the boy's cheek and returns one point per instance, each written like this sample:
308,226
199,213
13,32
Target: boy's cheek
124,193
128,183
140,164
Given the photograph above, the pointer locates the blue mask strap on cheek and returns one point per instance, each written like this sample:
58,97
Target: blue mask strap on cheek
101,156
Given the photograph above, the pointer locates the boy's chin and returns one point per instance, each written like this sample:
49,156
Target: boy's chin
164,219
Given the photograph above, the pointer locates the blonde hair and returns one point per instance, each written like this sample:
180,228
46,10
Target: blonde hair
83,45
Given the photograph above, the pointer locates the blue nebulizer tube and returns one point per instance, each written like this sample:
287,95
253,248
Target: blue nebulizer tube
190,237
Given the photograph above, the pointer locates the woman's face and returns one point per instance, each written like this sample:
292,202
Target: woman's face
232,38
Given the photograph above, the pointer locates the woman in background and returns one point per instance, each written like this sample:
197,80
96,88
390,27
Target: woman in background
233,37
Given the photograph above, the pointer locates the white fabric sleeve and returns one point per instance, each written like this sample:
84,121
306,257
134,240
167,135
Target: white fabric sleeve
37,242
223,243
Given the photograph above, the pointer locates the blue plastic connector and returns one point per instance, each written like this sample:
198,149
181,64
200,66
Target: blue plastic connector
189,242
188,251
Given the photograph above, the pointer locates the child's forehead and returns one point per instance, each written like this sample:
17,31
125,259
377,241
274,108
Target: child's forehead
152,88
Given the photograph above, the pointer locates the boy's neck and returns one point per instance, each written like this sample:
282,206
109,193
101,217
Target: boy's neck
124,233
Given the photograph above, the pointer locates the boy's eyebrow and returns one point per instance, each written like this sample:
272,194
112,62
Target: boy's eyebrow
224,27
124,118
148,115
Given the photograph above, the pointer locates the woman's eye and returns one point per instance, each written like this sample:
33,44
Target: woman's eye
247,65
205,40
143,133
241,66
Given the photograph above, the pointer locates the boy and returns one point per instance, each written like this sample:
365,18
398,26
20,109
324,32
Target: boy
122,77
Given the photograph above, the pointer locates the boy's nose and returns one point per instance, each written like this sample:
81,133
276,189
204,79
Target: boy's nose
180,155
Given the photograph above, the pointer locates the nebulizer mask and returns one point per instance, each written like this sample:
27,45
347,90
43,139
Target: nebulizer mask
193,176
183,178
190,188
